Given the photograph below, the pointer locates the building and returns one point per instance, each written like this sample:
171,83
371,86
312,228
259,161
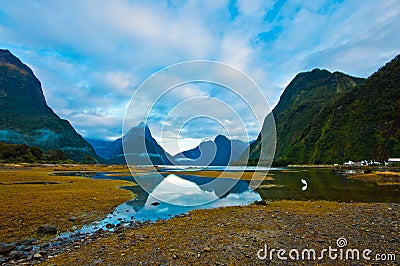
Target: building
394,160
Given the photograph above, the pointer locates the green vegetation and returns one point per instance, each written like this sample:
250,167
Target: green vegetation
21,153
325,118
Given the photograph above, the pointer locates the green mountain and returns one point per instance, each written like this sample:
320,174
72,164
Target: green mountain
25,118
365,122
325,117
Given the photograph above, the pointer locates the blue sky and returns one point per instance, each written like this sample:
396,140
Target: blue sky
91,55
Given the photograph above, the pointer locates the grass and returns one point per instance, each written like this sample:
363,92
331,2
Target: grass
26,206
304,207
380,178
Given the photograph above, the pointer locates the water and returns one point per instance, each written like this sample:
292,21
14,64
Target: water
323,185
169,194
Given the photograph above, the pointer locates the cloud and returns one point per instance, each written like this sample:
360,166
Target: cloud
91,56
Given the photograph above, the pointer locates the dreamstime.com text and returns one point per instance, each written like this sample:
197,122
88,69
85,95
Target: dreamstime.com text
340,252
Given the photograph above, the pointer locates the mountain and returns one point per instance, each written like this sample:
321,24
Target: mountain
301,116
139,145
25,117
219,152
364,123
104,149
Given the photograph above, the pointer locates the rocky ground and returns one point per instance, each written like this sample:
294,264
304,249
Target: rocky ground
234,235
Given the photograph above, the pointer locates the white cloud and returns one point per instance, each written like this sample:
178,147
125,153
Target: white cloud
91,55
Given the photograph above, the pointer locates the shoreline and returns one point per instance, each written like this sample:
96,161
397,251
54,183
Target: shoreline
233,235
135,237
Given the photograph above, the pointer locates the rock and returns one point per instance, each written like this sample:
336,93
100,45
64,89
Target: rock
47,229
21,247
16,255
260,202
44,245
109,226
37,256
121,228
27,242
207,249
6,248
97,262
72,219
43,252
121,236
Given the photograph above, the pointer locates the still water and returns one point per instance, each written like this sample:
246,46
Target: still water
168,194
323,185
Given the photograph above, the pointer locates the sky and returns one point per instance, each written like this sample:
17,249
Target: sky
92,55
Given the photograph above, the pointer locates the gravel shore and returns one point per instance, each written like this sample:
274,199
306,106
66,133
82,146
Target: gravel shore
234,236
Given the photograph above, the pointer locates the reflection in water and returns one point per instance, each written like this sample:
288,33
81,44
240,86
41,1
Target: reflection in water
182,194
188,194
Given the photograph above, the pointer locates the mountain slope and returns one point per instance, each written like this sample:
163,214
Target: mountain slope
25,118
103,148
137,143
304,100
365,122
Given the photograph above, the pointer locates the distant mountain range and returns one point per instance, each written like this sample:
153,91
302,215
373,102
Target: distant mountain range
139,142
325,117
220,152
25,117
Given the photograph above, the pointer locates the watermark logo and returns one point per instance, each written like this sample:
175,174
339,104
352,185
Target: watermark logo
340,253
341,242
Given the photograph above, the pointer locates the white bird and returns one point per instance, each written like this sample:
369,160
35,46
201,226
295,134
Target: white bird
305,184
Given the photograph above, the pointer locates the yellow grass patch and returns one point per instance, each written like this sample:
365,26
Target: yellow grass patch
26,206
304,207
380,178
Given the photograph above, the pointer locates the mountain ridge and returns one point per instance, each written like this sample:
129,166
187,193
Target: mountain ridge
218,152
321,117
138,145
25,117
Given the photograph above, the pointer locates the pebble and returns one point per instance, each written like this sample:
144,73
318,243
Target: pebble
290,229
109,226
47,229
6,248
37,256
